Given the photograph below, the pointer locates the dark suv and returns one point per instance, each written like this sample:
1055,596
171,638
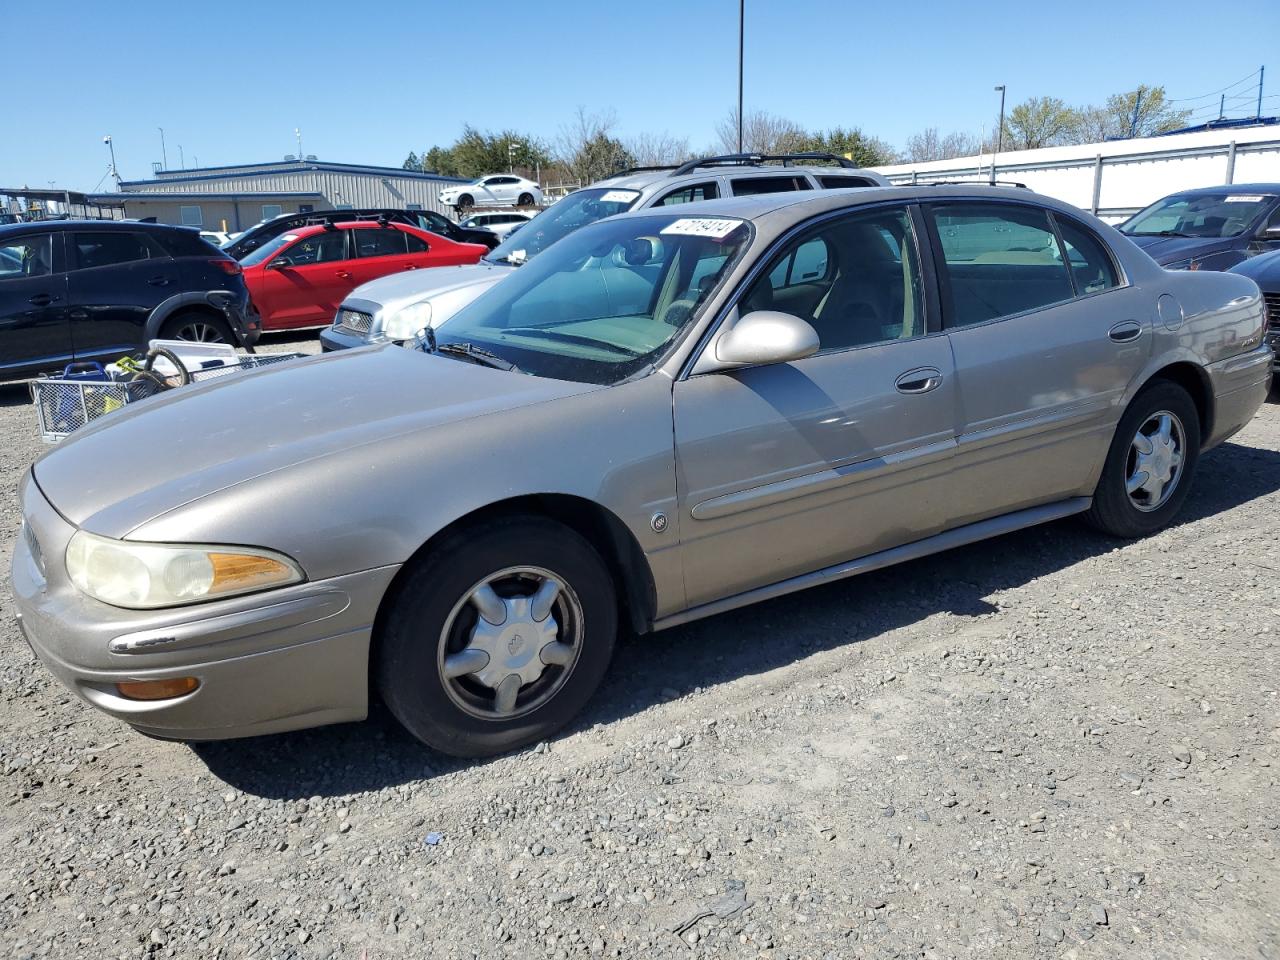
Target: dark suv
428,220
74,290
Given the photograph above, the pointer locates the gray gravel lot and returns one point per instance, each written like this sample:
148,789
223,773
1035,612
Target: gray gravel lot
1049,745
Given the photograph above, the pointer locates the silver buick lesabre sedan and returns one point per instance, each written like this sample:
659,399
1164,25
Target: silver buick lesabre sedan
666,415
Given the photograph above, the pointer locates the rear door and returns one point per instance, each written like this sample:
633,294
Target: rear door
380,251
117,278
34,329
312,281
1047,338
787,468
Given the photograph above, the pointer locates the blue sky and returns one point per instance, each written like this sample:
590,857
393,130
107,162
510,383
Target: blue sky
368,82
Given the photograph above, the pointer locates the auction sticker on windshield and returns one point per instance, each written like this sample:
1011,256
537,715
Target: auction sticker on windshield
618,196
716,228
1235,198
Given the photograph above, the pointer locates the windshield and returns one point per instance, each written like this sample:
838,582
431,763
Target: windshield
576,210
606,302
268,249
1202,215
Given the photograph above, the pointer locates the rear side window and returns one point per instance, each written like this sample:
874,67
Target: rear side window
690,194
1000,260
30,256
108,249
1091,266
383,242
186,243
748,186
836,183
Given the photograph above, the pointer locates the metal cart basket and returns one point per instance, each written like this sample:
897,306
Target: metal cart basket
64,404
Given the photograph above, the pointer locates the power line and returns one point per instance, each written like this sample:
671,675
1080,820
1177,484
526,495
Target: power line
1215,92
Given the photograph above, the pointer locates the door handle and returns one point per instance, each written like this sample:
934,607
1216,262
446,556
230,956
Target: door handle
920,380
412,266
159,281
1125,332
41,300
342,274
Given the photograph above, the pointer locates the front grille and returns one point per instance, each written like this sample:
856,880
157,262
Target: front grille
33,545
357,321
1272,301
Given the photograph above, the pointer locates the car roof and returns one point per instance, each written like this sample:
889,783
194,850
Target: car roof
9,229
312,229
1267,188
642,178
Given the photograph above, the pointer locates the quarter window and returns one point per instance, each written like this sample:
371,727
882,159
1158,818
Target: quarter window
27,257
1091,267
1000,260
690,194
191,216
107,249
749,186
836,183
855,280
416,244
383,242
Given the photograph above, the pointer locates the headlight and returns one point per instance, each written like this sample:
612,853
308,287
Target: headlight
145,575
405,323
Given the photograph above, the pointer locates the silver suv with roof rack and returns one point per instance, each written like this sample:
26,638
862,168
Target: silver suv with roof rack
399,306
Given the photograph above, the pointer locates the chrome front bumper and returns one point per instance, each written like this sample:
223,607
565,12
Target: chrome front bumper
279,660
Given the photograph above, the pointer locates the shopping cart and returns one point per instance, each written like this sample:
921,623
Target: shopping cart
85,391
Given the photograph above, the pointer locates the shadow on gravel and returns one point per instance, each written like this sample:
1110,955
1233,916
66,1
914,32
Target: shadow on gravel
648,670
14,395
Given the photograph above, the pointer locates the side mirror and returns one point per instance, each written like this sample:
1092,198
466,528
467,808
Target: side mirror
766,336
1270,233
279,263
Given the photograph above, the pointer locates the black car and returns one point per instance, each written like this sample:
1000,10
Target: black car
1212,228
77,290
428,220
1265,272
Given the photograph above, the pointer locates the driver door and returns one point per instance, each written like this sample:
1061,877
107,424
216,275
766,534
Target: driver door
306,291
787,468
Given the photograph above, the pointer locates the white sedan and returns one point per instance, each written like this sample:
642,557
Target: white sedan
495,190
499,224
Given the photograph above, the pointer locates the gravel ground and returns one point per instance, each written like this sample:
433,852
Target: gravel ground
1049,745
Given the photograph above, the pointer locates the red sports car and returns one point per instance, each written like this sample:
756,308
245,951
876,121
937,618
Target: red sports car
299,278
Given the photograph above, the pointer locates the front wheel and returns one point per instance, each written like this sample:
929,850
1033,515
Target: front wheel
465,202
498,637
1150,465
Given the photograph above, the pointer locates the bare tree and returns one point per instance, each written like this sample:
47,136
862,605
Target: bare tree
929,144
761,133
587,148
657,149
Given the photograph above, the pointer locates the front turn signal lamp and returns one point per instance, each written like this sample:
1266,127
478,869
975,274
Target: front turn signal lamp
143,576
157,689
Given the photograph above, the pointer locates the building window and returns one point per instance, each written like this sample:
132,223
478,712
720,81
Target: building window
342,206
270,210
413,206
306,207
191,216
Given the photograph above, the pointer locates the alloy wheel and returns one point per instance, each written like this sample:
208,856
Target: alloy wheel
199,332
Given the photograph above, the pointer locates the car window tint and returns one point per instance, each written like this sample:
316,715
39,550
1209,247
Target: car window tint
1091,267
855,280
749,186
318,248
106,249
690,194
186,243
416,244
1000,259
30,256
836,183
382,242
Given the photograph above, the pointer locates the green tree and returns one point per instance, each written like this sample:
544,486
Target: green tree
412,162
865,151
1143,112
1038,122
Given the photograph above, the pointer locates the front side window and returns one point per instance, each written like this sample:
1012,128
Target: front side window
30,256
191,216
690,194
107,249
323,247
856,280
573,212
1226,214
379,242
1091,266
607,301
1000,260
750,186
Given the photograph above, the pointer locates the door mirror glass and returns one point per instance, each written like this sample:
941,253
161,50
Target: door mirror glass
767,336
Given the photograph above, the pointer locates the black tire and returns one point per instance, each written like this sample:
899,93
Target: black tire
526,200
1114,511
197,327
466,202
432,595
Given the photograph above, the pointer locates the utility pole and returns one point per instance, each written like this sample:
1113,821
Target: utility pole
1262,72
297,132
741,26
164,157
1137,105
115,174
999,135
1222,105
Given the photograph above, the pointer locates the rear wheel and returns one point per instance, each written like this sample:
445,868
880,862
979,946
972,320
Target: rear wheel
465,202
526,200
197,328
498,637
1150,465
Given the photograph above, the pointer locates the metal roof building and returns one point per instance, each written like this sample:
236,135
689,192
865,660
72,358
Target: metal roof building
236,197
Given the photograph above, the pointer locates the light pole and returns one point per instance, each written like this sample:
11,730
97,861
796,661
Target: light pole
511,155
164,156
115,174
999,135
742,9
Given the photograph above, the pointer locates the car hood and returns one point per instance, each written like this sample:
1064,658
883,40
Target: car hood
448,288
170,450
1165,250
1264,270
